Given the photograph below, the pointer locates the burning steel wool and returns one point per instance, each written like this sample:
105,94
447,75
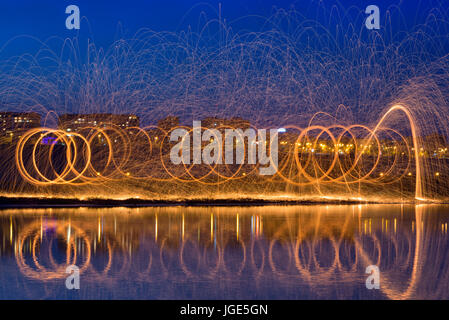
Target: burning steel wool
348,114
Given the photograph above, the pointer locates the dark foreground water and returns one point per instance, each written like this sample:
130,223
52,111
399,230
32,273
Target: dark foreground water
275,252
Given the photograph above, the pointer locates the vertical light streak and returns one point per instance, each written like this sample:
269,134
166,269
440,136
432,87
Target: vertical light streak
183,227
211,227
155,229
237,226
10,229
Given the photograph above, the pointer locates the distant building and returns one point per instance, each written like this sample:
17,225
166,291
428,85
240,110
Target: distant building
13,124
236,123
168,123
74,122
10,121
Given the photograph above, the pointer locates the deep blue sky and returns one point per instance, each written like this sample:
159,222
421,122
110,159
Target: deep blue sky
46,18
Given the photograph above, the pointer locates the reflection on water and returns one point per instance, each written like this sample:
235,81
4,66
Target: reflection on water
291,252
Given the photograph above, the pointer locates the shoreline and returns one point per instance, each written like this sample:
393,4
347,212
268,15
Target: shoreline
18,202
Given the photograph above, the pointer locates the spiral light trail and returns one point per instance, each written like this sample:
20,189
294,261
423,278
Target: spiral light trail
366,113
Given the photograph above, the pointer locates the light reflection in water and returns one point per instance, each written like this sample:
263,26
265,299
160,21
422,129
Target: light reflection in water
287,252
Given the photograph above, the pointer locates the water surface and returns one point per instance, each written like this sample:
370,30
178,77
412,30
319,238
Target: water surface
270,252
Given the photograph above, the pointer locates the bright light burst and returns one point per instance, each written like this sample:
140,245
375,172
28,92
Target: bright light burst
365,111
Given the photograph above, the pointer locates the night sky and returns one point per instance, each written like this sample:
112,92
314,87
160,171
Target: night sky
102,18
338,61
